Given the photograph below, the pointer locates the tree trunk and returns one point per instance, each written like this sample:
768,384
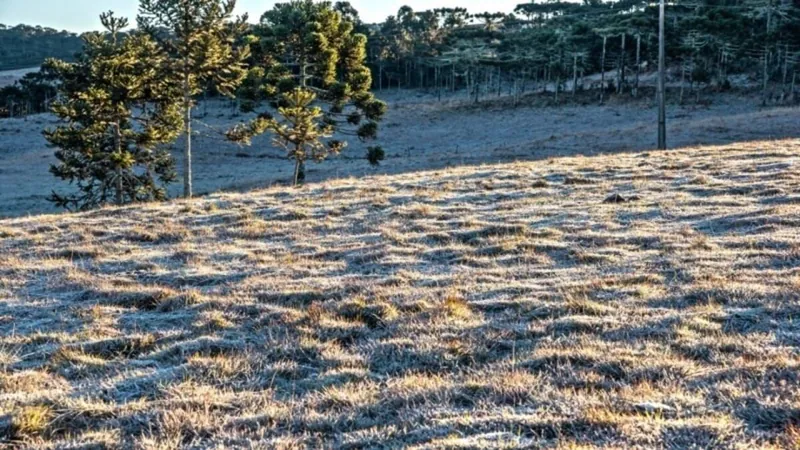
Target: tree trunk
118,146
304,83
187,150
638,64
296,178
303,72
621,77
468,82
558,85
683,80
603,72
766,50
691,74
661,93
547,72
766,73
725,59
785,66
438,83
477,86
574,74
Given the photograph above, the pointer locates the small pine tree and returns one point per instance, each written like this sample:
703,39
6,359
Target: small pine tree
308,57
200,38
299,130
116,103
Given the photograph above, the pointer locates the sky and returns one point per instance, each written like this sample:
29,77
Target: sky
82,15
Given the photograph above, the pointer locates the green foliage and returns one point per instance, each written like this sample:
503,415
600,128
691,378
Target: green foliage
200,37
310,68
375,155
543,40
204,48
117,103
299,130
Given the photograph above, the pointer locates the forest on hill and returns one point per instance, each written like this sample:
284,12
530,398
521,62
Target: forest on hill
555,40
23,46
536,45
561,42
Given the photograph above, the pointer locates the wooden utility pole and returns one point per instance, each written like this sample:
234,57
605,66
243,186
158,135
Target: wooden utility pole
662,107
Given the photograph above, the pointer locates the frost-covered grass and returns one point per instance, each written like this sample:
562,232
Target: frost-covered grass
9,77
418,134
491,306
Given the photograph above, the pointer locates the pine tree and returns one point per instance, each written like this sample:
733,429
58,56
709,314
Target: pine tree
300,130
117,104
200,38
309,59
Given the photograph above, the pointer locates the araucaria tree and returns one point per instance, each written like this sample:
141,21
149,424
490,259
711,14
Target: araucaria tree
117,106
309,68
200,37
301,132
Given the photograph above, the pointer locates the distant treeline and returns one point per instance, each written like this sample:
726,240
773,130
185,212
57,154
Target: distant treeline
550,46
540,42
24,46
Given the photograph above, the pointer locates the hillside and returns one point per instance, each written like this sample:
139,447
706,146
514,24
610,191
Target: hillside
9,77
23,46
447,133
489,306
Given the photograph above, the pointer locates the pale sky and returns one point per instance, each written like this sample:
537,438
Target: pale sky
82,15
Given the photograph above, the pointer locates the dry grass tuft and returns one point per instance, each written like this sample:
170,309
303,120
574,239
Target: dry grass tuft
584,306
792,436
7,232
372,312
456,306
30,421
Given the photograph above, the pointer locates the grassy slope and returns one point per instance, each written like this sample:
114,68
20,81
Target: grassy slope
488,306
